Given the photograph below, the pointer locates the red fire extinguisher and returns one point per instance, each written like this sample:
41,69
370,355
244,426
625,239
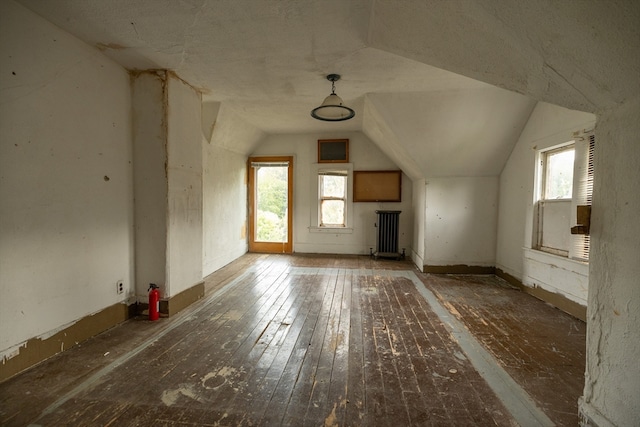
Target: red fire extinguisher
154,302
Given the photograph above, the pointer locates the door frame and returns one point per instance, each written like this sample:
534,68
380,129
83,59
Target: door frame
269,247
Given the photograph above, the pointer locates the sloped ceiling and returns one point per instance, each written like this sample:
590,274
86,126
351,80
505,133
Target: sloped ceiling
263,63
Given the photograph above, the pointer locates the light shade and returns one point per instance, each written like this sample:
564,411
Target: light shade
332,108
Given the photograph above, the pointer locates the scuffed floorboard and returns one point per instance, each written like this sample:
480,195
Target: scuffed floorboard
542,348
300,340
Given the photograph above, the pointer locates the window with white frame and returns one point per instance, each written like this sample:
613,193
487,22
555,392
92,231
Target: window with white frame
565,181
332,194
554,204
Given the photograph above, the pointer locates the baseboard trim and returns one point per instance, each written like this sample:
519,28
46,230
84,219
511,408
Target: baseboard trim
37,350
458,269
184,299
590,417
172,306
557,300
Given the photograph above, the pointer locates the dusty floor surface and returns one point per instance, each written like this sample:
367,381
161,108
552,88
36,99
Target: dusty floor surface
314,340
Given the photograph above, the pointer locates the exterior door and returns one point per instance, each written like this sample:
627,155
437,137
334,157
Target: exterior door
270,204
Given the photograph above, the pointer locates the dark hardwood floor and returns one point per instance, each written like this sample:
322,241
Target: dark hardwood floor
316,340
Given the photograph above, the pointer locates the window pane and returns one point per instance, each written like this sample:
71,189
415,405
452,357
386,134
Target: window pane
332,212
271,204
555,221
332,186
559,177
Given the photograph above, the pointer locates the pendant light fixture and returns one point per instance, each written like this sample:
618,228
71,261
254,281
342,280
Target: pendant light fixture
333,108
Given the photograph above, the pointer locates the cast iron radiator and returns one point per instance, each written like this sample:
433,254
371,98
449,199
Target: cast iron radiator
387,236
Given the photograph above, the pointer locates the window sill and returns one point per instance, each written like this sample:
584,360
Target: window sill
331,230
554,200
552,251
570,264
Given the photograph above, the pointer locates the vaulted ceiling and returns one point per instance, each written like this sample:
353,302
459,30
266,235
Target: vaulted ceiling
261,66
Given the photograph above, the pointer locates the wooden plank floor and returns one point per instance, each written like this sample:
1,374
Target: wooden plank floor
542,348
278,340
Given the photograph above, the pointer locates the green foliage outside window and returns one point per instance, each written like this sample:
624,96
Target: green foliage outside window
272,204
559,174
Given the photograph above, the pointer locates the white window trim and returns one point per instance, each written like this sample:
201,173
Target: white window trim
540,172
580,144
544,165
314,219
325,198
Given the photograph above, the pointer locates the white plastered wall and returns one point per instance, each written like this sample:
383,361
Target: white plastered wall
363,155
150,179
66,193
419,210
224,207
168,183
184,170
548,126
227,142
460,221
612,381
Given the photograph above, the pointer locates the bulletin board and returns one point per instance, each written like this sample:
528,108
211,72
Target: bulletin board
377,186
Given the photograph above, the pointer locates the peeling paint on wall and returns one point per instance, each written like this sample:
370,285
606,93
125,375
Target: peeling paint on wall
12,352
28,353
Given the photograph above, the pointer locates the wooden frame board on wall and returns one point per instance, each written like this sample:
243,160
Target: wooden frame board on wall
377,186
333,151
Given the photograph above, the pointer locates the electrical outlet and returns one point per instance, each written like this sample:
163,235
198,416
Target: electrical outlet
119,287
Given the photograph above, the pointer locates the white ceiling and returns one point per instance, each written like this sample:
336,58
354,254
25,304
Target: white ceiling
265,61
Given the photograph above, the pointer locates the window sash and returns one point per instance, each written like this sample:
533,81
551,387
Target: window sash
582,193
553,214
546,172
554,222
323,219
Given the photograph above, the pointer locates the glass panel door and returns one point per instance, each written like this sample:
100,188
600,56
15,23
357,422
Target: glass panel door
270,183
